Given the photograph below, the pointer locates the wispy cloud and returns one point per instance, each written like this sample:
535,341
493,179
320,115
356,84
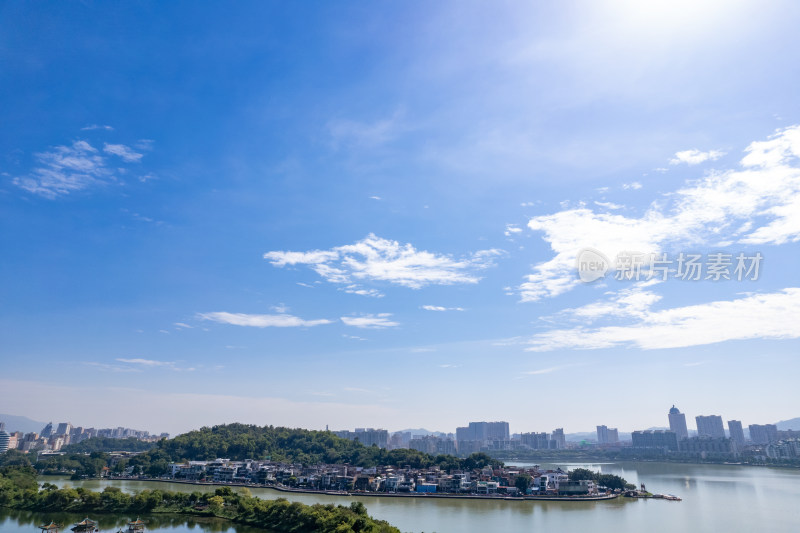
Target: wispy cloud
124,152
440,308
608,205
759,316
346,132
377,259
183,325
540,371
361,291
67,169
146,362
695,157
376,321
138,364
635,185
261,321
96,127
721,206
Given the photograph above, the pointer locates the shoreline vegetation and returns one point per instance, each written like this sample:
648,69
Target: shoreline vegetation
19,490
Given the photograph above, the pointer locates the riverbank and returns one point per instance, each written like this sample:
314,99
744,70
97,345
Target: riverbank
422,495
20,489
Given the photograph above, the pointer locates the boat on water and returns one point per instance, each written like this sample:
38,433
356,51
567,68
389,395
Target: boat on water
52,527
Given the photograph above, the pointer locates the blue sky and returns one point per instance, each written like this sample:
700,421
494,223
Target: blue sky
362,214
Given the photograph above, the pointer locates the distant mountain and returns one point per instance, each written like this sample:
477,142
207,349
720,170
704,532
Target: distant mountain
21,423
421,431
786,425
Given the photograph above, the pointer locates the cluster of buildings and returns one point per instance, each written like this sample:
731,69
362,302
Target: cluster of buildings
765,440
475,437
485,481
54,437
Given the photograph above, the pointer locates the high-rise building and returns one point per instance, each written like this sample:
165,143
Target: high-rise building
607,435
736,432
655,439
560,441
366,436
710,426
5,438
677,423
64,428
483,431
763,433
536,441
47,431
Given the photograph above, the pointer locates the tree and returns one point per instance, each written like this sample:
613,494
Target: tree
523,482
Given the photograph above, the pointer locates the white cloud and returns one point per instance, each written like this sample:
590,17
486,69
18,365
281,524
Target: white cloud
543,371
635,185
512,229
64,169
440,308
375,198
127,155
377,259
182,325
609,205
361,291
96,127
67,169
146,362
261,321
378,321
758,316
365,134
723,206
695,157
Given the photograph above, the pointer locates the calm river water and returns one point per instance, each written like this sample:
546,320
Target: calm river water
715,498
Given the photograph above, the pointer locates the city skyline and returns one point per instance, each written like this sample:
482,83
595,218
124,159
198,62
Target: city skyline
313,215
467,432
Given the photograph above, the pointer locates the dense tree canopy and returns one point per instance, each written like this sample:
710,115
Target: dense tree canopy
19,490
603,480
105,444
240,441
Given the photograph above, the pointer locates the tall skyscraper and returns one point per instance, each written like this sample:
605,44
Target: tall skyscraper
5,439
677,423
736,431
710,426
607,435
559,439
763,433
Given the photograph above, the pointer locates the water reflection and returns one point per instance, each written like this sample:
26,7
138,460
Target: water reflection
16,520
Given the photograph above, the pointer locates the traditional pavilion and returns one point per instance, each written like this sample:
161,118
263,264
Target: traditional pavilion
52,527
85,526
136,526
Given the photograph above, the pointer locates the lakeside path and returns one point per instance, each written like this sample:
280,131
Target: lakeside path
428,496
